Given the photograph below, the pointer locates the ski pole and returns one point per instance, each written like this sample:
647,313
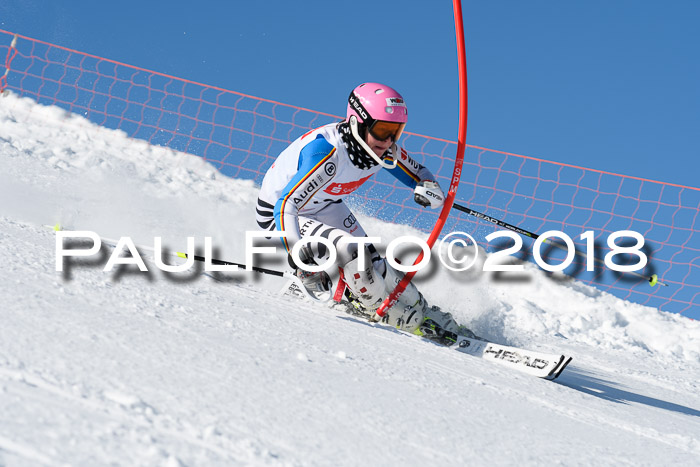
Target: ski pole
322,298
221,262
289,275
653,279
272,272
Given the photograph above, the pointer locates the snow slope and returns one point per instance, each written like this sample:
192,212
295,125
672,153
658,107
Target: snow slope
136,368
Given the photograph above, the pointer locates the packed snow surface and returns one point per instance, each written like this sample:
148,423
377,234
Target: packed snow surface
152,368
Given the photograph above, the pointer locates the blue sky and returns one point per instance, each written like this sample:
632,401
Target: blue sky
610,85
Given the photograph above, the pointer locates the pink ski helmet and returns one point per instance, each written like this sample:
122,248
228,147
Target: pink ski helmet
379,108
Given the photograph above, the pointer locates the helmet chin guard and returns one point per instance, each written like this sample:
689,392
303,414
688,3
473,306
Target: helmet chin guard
356,134
372,104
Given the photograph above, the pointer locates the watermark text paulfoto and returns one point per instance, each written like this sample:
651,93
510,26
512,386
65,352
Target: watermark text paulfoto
455,246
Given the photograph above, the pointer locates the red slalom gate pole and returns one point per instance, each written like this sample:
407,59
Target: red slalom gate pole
459,159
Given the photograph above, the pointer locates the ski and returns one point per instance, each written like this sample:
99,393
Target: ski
541,365
538,364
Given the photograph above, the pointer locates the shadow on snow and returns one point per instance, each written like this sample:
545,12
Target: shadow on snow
586,382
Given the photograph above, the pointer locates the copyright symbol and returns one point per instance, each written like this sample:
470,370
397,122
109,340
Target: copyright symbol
462,240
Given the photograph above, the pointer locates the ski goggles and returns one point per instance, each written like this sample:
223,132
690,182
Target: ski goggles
382,130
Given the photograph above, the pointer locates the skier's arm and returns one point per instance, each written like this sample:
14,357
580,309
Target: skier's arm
314,172
427,192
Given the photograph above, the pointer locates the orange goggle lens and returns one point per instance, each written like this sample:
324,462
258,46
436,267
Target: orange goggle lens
382,130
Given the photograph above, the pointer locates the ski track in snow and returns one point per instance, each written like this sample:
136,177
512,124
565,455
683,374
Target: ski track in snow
140,368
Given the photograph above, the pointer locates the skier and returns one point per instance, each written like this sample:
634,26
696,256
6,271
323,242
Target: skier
302,195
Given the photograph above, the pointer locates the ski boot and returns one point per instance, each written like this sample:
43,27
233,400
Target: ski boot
440,327
353,306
